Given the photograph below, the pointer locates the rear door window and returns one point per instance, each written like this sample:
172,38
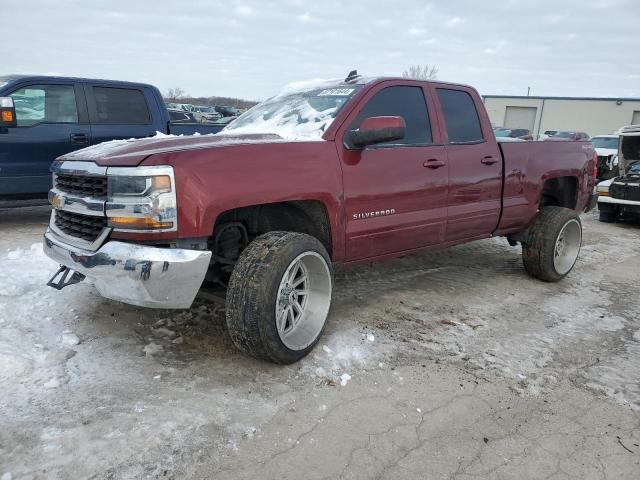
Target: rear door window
45,104
124,106
461,116
406,102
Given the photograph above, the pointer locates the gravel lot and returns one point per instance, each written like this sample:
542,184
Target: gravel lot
443,365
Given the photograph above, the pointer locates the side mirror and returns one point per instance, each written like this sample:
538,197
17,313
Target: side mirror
377,130
8,117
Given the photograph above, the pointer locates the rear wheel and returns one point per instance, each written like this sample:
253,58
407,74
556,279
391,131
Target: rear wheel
607,213
553,244
279,296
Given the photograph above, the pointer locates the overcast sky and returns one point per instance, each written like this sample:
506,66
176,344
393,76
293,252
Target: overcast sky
251,48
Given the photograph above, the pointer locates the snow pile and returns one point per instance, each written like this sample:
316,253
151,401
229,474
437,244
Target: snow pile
23,297
340,355
25,270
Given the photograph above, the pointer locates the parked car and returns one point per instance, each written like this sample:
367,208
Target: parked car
178,115
547,134
187,107
205,114
566,135
56,115
329,173
620,196
607,149
521,133
227,111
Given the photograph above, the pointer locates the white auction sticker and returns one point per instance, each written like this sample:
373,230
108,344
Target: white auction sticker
336,92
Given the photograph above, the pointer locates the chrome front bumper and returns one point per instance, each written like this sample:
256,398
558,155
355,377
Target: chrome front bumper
139,275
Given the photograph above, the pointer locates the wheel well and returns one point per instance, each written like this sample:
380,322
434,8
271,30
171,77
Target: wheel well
561,192
303,216
235,229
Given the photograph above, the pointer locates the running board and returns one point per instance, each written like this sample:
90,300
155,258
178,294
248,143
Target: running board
65,277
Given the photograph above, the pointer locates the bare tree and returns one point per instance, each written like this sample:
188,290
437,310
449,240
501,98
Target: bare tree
419,72
175,93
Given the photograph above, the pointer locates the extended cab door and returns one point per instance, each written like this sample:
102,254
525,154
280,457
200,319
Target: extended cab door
395,192
475,165
118,113
52,121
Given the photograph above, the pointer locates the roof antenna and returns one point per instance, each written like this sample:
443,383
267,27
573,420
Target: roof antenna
353,74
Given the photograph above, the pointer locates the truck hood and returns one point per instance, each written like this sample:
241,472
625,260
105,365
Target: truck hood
605,152
133,151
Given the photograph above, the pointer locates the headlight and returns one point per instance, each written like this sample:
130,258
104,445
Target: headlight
603,190
141,199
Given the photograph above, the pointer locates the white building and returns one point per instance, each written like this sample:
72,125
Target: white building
595,116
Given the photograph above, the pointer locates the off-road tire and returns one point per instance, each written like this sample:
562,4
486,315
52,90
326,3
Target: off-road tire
539,249
253,290
607,214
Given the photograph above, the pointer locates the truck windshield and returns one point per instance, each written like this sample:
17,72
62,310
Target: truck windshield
605,142
297,113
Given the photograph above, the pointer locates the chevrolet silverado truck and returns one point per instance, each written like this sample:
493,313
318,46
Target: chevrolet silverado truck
620,196
52,116
325,173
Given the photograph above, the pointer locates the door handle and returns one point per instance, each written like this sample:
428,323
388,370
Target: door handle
489,160
79,139
433,163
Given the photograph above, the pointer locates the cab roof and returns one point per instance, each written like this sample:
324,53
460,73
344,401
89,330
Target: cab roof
15,78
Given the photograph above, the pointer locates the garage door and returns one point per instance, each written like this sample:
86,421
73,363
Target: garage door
520,117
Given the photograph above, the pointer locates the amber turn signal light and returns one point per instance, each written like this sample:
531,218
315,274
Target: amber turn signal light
134,223
162,182
7,116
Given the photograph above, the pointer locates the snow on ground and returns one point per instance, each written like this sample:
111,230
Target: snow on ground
135,393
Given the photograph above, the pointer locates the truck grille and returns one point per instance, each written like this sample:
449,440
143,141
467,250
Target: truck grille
82,185
76,225
602,160
624,192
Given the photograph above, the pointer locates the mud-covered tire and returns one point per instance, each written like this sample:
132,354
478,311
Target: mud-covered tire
539,252
607,214
254,290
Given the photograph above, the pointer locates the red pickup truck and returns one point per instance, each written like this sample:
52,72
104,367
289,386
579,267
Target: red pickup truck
324,173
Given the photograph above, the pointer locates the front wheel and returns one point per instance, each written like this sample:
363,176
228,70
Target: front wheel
279,296
553,244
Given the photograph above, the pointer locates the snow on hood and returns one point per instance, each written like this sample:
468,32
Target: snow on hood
161,143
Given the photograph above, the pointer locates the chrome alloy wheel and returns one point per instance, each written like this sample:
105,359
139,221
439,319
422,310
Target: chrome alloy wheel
304,299
567,246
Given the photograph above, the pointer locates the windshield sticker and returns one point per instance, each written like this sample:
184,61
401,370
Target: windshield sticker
336,92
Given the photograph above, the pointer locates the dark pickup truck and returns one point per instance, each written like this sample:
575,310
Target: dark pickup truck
56,115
